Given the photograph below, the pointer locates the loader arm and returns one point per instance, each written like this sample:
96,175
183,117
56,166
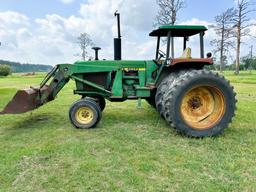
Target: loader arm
32,98
57,79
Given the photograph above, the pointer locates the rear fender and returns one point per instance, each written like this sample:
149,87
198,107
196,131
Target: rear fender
198,63
181,64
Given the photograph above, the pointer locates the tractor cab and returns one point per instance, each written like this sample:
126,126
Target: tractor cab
170,33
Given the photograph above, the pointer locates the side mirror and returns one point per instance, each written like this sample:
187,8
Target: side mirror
209,55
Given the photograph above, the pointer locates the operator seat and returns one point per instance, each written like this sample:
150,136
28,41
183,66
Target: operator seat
186,54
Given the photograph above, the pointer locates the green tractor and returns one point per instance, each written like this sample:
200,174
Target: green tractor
194,101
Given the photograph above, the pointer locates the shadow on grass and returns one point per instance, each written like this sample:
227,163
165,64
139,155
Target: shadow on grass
127,115
33,121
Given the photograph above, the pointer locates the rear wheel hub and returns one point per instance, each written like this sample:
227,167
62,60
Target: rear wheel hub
194,102
203,107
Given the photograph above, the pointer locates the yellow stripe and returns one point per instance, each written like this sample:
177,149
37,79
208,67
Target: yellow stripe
134,69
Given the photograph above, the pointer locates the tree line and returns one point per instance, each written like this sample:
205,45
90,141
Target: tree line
17,67
246,63
5,70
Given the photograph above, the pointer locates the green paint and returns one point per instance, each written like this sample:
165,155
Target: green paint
90,84
118,85
93,93
178,30
142,92
184,27
142,78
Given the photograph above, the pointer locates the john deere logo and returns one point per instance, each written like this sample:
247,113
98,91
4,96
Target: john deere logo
134,69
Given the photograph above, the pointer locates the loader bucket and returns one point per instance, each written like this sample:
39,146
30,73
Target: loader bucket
25,100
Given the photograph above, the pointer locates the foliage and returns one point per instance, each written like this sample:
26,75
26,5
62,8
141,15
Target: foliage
224,32
233,24
168,10
230,67
249,63
17,67
242,23
130,150
5,70
84,42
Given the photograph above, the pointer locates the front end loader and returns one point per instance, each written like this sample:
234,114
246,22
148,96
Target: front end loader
195,101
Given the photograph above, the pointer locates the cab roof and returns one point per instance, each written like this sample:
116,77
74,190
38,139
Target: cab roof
178,30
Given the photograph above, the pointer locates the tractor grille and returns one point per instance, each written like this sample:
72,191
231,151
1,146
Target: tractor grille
97,78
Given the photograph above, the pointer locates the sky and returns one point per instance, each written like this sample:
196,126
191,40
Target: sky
46,31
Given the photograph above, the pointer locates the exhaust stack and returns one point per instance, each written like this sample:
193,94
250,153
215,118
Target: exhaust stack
118,41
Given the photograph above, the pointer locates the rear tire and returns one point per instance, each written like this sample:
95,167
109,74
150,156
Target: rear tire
165,85
161,89
151,99
85,114
200,104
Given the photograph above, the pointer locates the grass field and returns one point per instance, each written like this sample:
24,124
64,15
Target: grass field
130,150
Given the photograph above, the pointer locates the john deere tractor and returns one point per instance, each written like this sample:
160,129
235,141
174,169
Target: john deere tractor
194,101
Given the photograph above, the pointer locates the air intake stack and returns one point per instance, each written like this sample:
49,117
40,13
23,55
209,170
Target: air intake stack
96,49
118,41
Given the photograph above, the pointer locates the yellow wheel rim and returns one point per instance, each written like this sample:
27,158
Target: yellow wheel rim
203,107
84,115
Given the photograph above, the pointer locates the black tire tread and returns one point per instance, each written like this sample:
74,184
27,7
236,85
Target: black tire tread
170,98
166,85
87,101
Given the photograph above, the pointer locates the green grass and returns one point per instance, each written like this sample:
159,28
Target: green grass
130,150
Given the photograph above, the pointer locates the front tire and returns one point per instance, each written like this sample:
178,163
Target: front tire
200,104
99,100
85,114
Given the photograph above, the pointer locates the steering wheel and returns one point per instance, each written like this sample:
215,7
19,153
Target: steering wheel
161,55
